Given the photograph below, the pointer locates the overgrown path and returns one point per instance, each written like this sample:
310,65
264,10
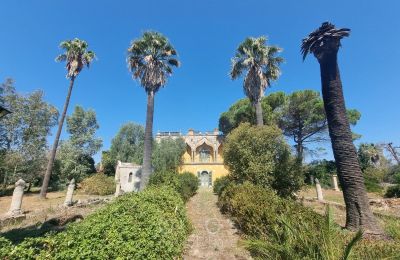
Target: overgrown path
214,235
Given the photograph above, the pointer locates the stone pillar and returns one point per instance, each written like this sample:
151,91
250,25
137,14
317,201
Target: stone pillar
70,192
334,182
312,179
16,201
319,190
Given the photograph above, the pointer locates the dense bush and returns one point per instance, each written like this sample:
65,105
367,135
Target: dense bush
322,170
260,155
220,184
393,191
186,184
278,228
147,225
98,184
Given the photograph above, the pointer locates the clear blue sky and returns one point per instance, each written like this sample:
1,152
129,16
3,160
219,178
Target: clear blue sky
205,33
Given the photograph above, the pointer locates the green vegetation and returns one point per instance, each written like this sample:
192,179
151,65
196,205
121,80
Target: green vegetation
167,154
186,184
151,59
260,155
147,225
279,228
98,184
220,184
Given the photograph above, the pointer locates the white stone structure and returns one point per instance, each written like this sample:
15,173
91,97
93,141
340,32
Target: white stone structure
127,177
320,197
70,192
16,201
334,182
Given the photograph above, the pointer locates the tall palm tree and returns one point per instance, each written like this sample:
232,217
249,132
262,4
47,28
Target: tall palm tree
76,56
324,43
261,65
150,59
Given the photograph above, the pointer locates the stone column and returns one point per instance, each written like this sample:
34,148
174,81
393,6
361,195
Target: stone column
16,201
319,190
334,182
312,179
70,192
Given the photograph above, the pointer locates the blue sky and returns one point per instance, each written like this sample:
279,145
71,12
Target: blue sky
206,34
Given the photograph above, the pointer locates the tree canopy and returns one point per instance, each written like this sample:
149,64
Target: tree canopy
167,154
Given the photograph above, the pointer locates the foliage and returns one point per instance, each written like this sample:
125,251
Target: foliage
278,228
167,154
126,146
322,170
259,62
76,56
186,184
75,154
23,134
393,191
98,184
148,225
220,184
260,155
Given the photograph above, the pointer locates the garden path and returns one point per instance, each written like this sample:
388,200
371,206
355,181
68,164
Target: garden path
214,235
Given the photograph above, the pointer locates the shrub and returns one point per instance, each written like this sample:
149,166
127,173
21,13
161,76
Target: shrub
189,184
322,170
261,155
393,192
148,225
220,184
98,184
279,228
186,184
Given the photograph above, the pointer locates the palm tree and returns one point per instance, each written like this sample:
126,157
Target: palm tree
150,59
324,43
261,65
77,57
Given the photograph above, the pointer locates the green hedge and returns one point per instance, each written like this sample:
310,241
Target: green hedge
147,225
220,184
186,184
98,184
278,228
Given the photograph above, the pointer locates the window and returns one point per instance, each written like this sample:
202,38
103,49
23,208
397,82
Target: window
130,177
205,155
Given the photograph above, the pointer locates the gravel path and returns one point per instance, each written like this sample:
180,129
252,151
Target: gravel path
214,235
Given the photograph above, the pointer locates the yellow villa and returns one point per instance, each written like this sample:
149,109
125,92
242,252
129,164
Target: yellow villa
203,155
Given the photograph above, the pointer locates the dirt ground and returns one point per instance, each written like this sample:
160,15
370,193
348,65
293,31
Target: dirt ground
40,210
214,235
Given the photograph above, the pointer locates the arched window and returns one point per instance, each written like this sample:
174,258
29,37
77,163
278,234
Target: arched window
204,154
130,177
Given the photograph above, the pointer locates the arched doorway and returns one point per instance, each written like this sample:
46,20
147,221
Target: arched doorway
205,178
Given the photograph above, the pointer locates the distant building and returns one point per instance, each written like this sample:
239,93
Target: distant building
127,177
203,155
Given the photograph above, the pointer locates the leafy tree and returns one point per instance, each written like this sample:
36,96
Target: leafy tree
107,165
76,57
322,170
324,43
76,153
150,59
23,134
167,154
300,115
260,155
259,62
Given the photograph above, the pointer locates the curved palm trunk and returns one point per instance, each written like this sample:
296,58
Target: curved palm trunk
49,169
358,213
259,113
148,141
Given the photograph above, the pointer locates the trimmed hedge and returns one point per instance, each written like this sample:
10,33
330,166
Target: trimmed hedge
186,184
148,225
278,228
98,184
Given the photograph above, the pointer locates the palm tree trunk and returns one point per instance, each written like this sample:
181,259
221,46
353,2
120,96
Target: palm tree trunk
49,169
358,213
259,113
148,141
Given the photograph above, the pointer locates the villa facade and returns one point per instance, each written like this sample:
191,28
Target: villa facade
203,155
